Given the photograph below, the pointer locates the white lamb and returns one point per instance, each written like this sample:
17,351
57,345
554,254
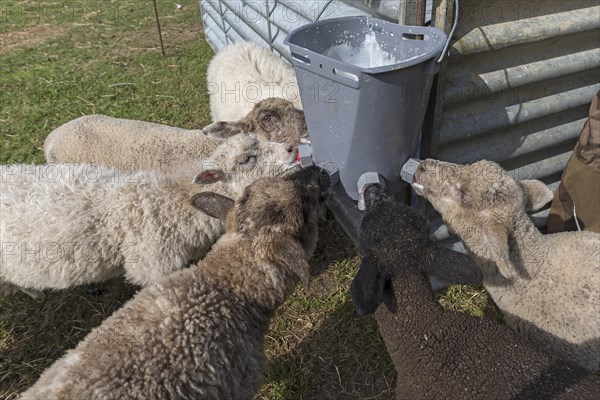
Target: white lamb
64,225
242,74
132,145
126,144
547,286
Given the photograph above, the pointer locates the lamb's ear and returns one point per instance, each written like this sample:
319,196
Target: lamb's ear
367,288
495,242
295,258
454,268
226,129
209,176
213,204
537,194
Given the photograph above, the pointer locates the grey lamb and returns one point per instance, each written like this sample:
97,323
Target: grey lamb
133,145
199,333
547,286
68,224
438,353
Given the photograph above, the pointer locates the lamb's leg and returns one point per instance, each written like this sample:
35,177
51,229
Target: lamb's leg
35,294
7,289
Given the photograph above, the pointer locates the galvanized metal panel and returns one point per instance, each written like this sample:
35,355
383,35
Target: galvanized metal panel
521,66
518,84
268,22
505,108
492,25
213,25
520,139
244,22
537,60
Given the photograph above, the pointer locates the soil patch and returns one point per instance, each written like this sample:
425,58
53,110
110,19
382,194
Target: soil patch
30,37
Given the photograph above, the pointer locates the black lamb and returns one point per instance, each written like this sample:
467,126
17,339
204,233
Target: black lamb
438,353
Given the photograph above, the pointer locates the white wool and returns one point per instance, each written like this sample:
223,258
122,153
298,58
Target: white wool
242,74
65,225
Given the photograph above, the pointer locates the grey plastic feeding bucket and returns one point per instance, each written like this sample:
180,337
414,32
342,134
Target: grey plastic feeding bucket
364,85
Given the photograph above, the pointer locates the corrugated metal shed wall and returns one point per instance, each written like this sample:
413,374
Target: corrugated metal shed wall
268,22
518,85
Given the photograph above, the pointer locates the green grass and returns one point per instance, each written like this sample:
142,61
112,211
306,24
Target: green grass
61,60
34,334
98,65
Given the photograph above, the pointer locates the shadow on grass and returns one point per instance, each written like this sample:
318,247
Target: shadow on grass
318,347
342,358
333,245
34,334
327,350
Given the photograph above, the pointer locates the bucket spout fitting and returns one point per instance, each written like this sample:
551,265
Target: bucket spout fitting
332,170
306,159
305,155
365,180
408,170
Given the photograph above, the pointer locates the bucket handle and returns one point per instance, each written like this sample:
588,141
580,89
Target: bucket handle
334,70
451,33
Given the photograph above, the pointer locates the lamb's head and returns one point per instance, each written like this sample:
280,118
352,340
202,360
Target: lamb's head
480,202
395,247
391,232
242,159
286,206
273,119
279,214
310,179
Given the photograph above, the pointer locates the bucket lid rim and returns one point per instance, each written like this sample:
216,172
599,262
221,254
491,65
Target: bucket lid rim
433,52
440,34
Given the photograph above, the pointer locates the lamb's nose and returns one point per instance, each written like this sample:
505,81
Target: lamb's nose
290,148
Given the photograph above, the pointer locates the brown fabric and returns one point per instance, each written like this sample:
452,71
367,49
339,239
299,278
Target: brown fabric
579,187
588,144
580,182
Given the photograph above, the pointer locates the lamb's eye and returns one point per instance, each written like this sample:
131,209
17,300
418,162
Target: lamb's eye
266,118
250,160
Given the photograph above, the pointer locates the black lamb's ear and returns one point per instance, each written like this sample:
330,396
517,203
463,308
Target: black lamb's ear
454,268
213,204
295,258
367,288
